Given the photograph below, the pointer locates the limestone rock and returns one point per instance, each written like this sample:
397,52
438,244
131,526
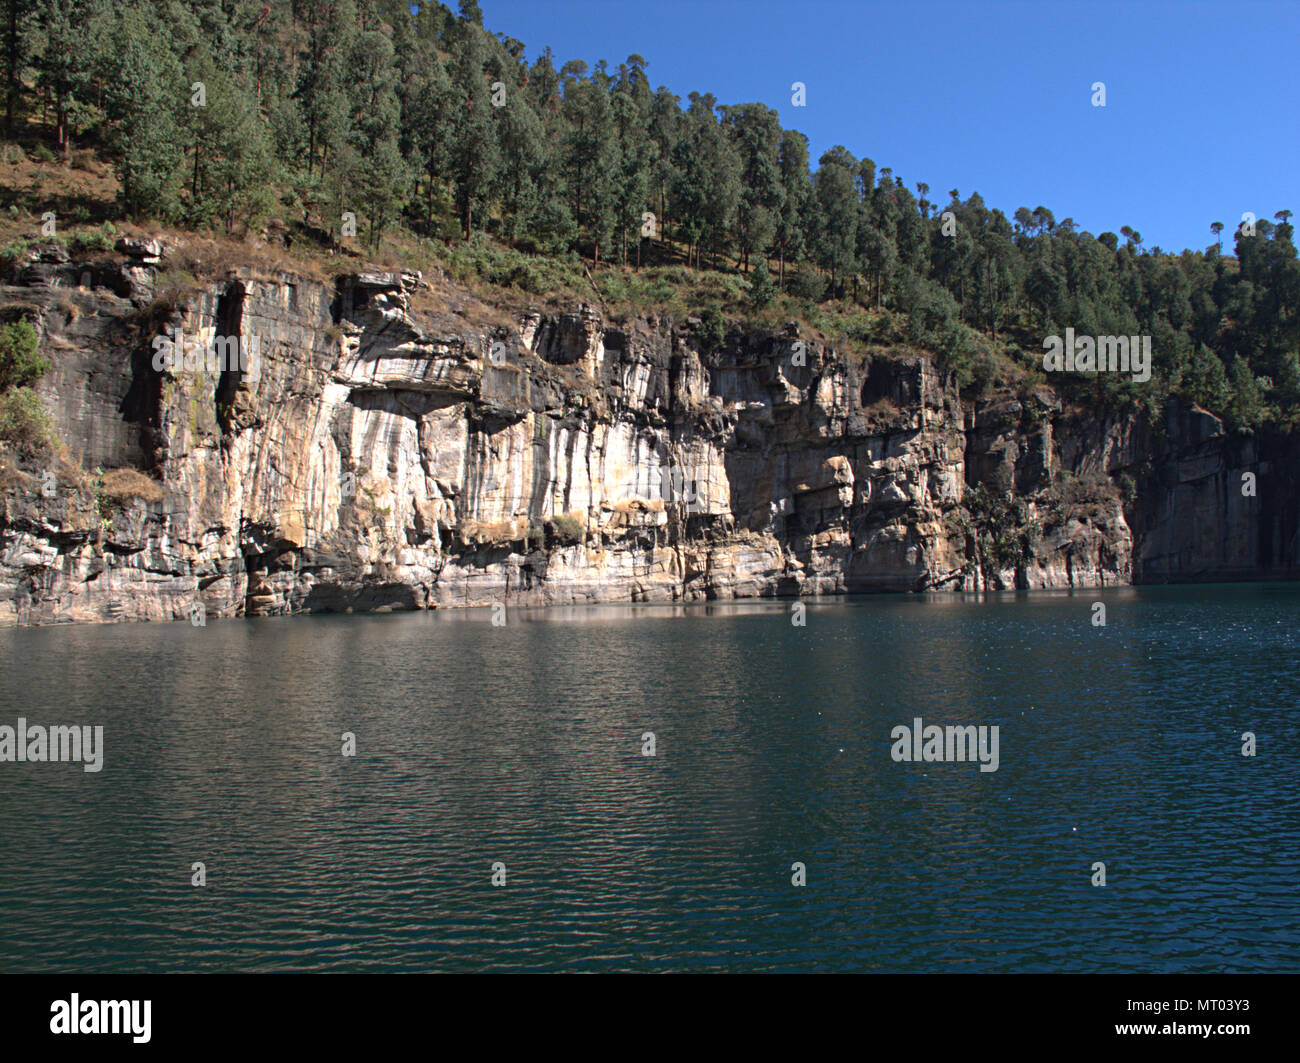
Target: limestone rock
372,456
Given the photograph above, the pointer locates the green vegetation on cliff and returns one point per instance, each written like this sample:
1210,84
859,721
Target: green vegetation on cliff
361,126
23,420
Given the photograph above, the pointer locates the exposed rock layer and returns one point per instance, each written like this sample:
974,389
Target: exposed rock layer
371,457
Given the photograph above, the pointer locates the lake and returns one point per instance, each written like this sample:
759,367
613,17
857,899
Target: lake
518,752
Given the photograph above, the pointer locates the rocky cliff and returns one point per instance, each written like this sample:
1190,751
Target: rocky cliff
386,448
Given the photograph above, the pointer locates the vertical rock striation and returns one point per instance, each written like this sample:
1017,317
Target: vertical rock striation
371,456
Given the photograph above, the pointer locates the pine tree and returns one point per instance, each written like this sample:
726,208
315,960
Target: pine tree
756,134
322,86
233,164
707,177
761,289
380,177
144,95
835,191
796,192
637,152
475,158
524,158
591,159
17,49
665,131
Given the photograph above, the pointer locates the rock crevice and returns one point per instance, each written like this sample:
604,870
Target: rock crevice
370,457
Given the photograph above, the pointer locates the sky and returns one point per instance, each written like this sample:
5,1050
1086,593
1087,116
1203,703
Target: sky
1202,110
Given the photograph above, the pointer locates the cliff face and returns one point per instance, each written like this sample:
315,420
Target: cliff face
378,455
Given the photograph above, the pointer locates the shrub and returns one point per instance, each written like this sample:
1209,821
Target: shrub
175,283
1003,536
568,529
807,284
934,323
712,330
1079,496
95,240
20,364
761,289
23,420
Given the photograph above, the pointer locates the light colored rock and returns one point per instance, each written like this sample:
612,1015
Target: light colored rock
383,461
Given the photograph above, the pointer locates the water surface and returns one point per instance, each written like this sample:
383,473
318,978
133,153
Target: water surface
522,744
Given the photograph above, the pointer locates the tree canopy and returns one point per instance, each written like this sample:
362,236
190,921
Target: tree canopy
219,113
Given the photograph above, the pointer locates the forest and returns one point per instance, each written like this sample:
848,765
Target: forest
222,116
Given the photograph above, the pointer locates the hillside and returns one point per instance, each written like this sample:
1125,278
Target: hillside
360,128
375,455
536,336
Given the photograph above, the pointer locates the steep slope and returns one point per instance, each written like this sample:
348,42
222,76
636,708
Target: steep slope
376,456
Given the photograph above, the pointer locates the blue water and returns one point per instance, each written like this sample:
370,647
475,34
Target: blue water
522,744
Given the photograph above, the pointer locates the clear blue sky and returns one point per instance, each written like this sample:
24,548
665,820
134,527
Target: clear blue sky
992,96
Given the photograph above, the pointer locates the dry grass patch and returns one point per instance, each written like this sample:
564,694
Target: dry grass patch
126,485
13,477
499,533
882,410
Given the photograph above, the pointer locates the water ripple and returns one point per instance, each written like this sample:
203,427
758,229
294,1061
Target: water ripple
522,745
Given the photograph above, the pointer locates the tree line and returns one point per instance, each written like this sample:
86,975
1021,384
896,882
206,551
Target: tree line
221,113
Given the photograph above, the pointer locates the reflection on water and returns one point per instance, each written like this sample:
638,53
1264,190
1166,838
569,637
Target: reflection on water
522,744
